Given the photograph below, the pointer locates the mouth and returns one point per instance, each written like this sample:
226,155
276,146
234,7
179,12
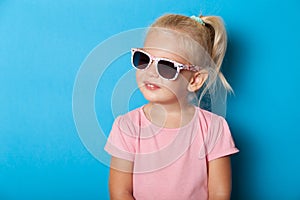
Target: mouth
151,86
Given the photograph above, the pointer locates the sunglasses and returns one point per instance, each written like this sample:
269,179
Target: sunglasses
165,68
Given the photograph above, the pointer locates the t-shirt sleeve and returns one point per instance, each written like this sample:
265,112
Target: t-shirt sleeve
220,142
120,143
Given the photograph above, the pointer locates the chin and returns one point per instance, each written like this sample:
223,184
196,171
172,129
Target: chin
160,99
161,96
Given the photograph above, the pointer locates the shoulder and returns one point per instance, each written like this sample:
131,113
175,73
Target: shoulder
130,122
210,119
133,116
217,136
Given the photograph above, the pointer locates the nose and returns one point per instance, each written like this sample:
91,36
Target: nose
151,70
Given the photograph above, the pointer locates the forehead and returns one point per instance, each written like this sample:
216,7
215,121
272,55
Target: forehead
166,43
162,39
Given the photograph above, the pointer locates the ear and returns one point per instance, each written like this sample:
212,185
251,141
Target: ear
197,80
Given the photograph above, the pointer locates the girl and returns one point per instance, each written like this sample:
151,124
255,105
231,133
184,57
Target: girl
170,149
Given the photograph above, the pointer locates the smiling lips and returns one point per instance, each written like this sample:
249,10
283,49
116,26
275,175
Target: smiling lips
151,86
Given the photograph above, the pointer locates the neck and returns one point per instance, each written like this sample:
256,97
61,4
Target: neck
170,109
171,115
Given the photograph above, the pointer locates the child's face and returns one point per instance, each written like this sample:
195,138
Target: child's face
154,88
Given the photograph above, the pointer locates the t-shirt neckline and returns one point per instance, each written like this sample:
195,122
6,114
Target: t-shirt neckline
148,122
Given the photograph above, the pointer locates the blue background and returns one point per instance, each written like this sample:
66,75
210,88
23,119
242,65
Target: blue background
43,44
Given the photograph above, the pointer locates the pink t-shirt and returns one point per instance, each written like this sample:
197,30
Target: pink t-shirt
170,164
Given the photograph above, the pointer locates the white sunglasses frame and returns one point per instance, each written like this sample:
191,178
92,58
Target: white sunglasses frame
179,66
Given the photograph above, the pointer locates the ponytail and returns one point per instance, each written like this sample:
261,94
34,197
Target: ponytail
218,37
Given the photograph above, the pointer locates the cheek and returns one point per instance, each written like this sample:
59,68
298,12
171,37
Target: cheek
180,85
177,87
183,79
138,76
187,75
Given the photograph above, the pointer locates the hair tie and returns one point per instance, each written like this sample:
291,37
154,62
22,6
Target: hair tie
198,19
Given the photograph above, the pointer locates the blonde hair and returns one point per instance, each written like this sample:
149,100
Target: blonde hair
212,36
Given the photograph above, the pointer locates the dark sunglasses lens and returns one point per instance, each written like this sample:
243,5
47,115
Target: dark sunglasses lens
140,60
166,69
